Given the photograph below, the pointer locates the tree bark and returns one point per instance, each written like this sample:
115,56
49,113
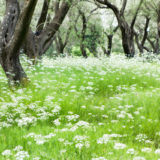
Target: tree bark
110,41
110,37
126,29
140,44
60,43
13,32
157,49
82,33
127,40
83,50
43,16
155,44
108,51
37,45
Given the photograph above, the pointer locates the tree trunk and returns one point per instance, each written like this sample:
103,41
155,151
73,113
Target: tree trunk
110,37
9,63
13,31
83,50
61,50
158,30
156,50
59,46
36,45
158,19
13,69
127,35
127,40
104,50
83,33
140,47
43,16
126,29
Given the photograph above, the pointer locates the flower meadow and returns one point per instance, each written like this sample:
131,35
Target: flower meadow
83,109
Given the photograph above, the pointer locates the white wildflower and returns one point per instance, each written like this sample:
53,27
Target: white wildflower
147,150
6,152
99,158
139,158
157,151
119,146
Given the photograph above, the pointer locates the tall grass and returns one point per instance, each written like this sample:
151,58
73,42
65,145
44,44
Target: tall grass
83,109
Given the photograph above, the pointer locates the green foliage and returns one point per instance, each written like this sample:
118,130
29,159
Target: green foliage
93,37
76,51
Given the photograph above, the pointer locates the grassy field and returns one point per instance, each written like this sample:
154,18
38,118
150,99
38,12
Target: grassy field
83,109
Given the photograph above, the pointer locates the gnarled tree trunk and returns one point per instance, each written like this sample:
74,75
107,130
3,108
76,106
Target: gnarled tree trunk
37,44
127,30
12,34
127,39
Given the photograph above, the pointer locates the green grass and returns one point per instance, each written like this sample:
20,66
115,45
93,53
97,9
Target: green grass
116,98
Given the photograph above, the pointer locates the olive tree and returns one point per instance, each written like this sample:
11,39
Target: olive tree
13,31
127,28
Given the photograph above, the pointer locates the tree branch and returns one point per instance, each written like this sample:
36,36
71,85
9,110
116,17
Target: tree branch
109,5
43,16
135,15
49,31
123,7
145,35
22,27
